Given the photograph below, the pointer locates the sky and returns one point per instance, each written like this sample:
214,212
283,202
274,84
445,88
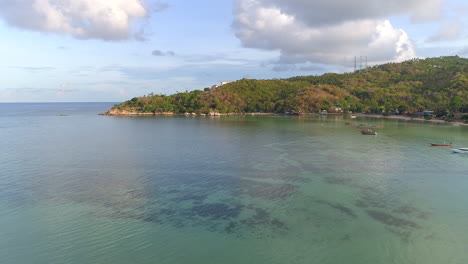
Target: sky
113,50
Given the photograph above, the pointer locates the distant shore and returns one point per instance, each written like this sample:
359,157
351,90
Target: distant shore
458,122
118,112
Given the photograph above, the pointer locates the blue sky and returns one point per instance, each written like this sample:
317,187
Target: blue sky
113,50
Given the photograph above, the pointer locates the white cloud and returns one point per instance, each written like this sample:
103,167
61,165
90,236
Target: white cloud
319,12
98,19
303,32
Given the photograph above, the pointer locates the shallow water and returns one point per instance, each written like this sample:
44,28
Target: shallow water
85,188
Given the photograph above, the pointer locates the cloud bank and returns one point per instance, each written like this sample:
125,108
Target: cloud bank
85,19
330,31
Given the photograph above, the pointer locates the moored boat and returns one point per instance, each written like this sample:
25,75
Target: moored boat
440,145
460,150
368,132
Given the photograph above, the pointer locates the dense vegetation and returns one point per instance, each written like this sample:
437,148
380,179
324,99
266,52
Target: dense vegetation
438,83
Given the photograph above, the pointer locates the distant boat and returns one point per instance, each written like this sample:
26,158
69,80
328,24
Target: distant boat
460,150
349,123
368,132
353,116
440,145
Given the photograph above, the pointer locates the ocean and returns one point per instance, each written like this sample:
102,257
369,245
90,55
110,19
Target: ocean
77,187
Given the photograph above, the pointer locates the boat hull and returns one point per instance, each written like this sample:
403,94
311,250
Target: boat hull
368,132
440,145
463,151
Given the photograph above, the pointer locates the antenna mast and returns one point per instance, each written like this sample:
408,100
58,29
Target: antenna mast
355,60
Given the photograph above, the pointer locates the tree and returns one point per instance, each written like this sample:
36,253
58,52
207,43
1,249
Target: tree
455,104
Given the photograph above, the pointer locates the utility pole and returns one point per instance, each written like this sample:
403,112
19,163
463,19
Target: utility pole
363,63
355,60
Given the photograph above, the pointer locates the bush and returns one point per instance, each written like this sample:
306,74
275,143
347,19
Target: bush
440,112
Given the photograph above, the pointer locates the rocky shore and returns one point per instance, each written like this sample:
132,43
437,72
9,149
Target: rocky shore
135,112
122,112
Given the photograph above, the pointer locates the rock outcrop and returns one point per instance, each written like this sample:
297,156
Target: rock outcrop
121,112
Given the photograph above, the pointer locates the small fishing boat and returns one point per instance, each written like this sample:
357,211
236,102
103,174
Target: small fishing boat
297,113
368,132
440,145
460,150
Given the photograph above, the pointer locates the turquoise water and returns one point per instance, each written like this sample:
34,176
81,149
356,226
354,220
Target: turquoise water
85,188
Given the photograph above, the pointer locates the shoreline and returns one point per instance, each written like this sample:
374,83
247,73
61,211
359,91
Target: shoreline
407,118
118,112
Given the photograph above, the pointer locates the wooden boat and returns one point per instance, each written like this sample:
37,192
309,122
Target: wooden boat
440,145
349,123
460,150
368,132
297,113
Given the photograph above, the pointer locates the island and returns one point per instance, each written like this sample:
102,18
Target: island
426,88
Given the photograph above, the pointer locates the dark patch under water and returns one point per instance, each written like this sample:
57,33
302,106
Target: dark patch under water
339,180
267,190
339,207
411,211
369,199
194,198
404,235
217,211
391,220
262,218
231,227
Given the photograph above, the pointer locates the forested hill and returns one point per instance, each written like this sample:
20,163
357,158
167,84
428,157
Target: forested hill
418,83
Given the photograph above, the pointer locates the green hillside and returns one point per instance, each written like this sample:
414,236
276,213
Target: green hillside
418,83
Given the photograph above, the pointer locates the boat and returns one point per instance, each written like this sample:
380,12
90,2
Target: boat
440,145
368,132
349,123
460,150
